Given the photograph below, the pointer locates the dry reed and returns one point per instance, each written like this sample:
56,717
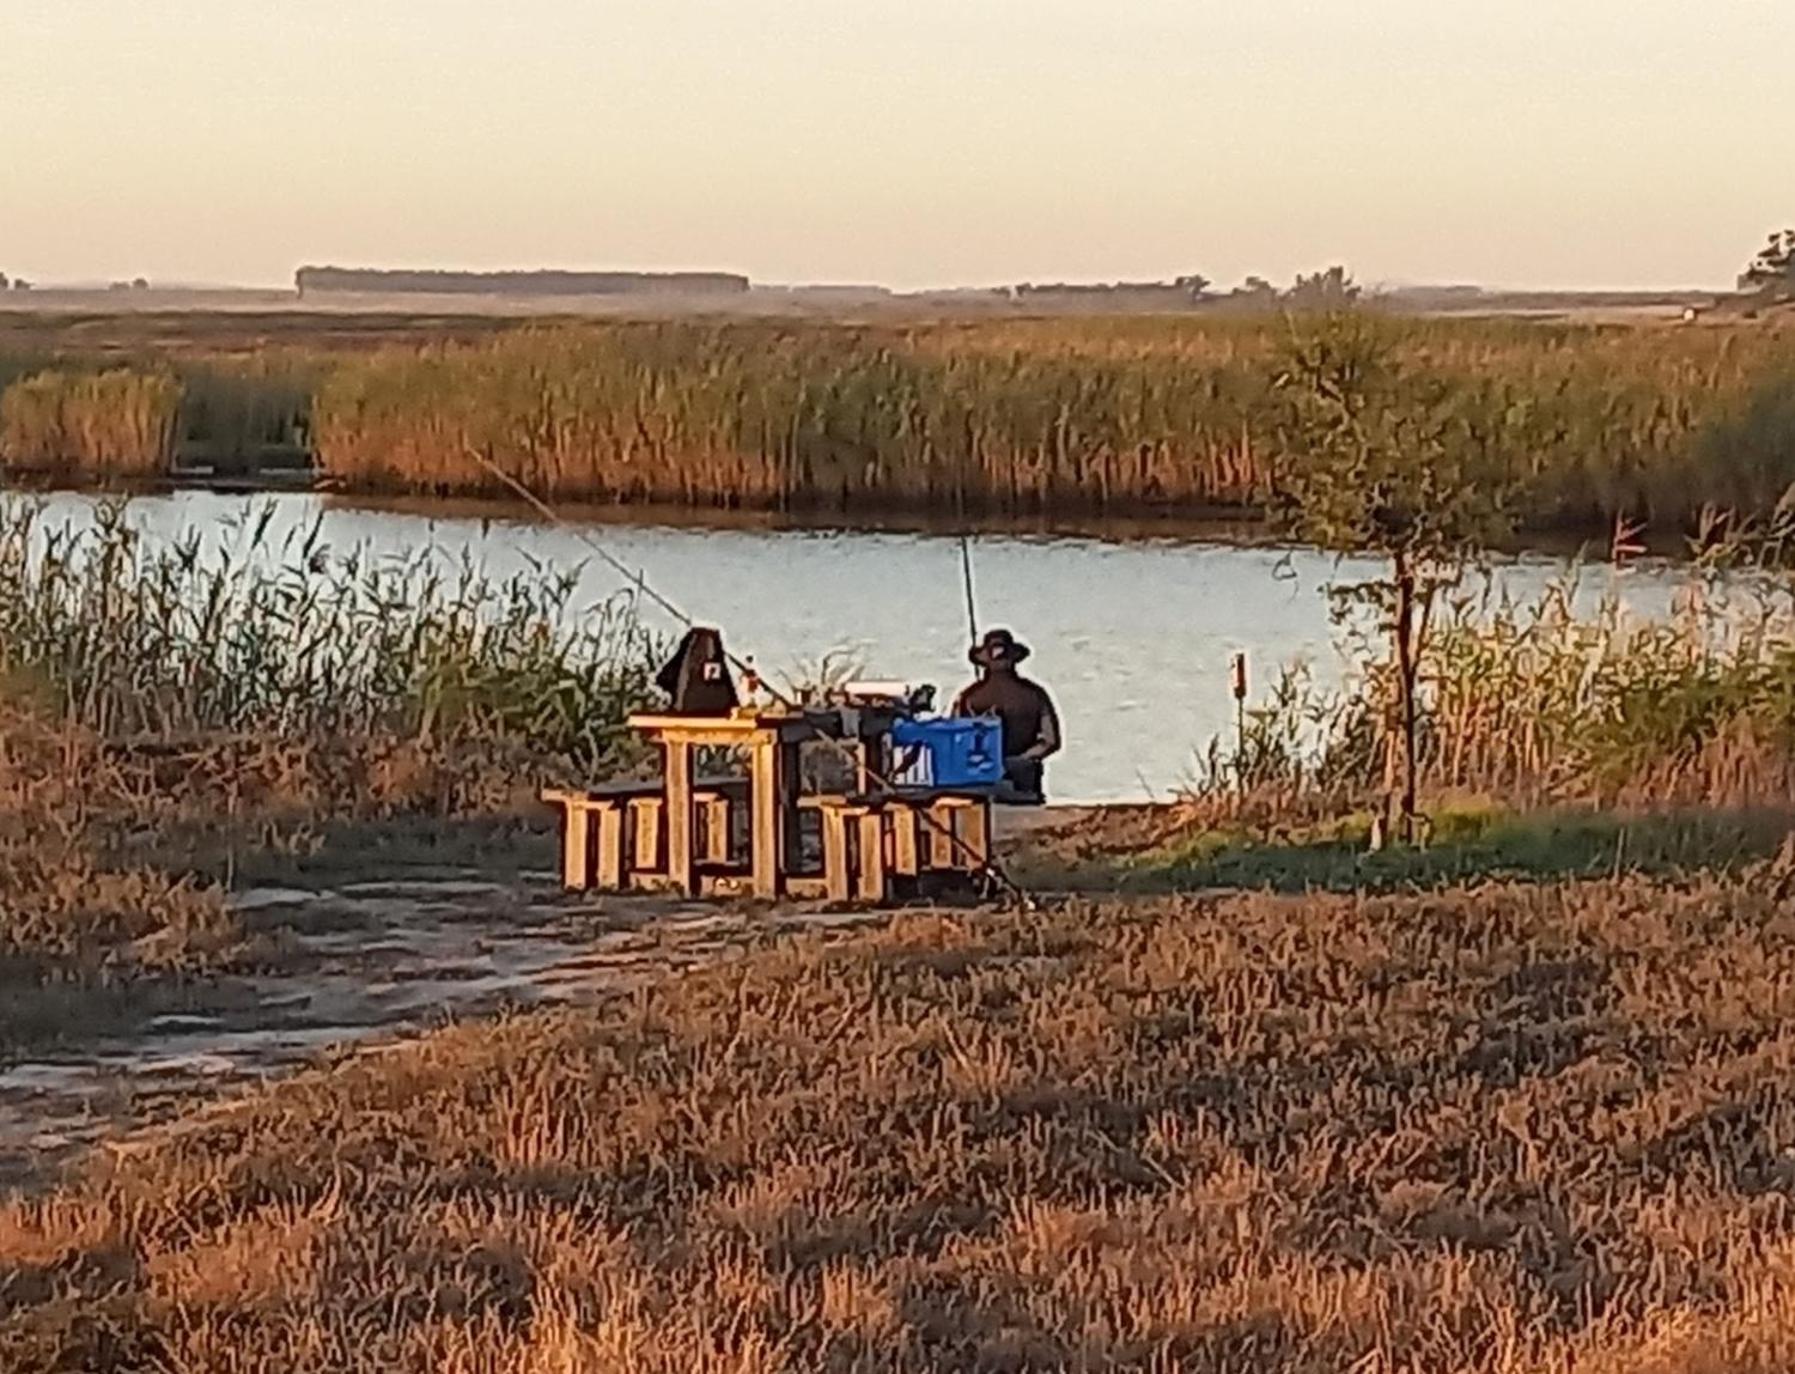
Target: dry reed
1091,415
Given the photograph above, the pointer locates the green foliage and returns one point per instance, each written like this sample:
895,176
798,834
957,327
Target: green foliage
1535,703
1378,459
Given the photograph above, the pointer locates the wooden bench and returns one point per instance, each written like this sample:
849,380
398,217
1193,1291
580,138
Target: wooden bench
873,841
603,826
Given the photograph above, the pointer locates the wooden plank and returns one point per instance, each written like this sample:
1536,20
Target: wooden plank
646,813
713,811
869,875
679,815
975,832
836,872
906,858
576,848
610,848
806,887
766,799
943,852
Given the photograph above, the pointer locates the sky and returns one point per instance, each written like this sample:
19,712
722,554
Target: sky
913,143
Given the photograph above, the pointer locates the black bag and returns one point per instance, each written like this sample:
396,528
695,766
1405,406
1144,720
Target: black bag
697,676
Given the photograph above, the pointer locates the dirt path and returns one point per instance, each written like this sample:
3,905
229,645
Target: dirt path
352,960
357,962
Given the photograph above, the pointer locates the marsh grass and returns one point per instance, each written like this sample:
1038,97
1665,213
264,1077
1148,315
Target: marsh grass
248,630
168,704
1086,415
1533,1127
114,422
1563,699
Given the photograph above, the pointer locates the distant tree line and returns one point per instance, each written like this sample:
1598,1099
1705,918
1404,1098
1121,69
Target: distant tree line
311,280
1326,290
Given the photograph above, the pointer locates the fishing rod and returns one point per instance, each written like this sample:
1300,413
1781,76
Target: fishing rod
972,609
635,577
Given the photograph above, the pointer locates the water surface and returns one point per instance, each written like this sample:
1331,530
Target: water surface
1132,637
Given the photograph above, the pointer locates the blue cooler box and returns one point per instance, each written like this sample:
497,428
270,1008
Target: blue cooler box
951,753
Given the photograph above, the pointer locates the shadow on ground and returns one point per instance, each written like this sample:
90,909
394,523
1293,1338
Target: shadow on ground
1466,846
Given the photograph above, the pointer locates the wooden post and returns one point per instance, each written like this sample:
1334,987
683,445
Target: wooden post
976,836
610,847
872,883
647,813
715,810
767,804
679,815
906,862
943,852
835,854
576,846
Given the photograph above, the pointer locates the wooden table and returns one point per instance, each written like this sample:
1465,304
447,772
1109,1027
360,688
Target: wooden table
771,741
870,836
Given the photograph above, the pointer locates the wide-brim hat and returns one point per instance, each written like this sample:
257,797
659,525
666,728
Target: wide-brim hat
999,646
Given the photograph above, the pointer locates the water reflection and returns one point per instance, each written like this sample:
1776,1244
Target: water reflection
1133,637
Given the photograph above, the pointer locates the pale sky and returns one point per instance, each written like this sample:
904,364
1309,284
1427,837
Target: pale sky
909,142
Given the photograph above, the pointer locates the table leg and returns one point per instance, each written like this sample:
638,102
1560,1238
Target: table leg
610,848
576,848
872,874
767,803
837,874
679,816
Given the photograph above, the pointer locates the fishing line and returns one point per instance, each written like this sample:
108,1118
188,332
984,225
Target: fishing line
637,578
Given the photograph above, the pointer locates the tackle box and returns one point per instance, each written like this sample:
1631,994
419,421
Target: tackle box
950,753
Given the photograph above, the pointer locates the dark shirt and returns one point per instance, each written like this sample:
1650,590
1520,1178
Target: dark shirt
1023,706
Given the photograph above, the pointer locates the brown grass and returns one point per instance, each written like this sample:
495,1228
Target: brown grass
1522,1129
111,850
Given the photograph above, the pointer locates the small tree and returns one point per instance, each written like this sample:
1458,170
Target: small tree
1772,272
1403,466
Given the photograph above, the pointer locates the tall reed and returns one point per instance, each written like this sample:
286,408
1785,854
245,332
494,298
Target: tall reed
244,630
1090,415
116,422
1542,701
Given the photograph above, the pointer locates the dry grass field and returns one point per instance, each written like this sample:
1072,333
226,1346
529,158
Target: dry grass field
1519,1128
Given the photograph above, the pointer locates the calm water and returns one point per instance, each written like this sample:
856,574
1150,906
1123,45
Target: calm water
1133,638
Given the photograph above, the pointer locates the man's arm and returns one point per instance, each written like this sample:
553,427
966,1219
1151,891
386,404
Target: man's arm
1049,743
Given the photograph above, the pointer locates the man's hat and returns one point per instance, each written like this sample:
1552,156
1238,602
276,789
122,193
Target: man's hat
998,646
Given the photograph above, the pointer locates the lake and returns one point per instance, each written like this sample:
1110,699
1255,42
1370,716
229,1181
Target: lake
1133,636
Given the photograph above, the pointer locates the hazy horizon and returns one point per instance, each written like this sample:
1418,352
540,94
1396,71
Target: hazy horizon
1607,146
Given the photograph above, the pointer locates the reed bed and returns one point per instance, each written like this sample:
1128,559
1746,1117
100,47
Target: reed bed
164,706
248,630
1045,415
1562,699
1502,1131
116,422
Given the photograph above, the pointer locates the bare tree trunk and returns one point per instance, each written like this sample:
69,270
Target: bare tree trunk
1405,671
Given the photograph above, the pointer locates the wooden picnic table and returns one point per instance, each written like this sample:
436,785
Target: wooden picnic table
771,741
869,835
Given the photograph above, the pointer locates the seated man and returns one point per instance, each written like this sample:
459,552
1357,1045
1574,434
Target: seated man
1031,727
